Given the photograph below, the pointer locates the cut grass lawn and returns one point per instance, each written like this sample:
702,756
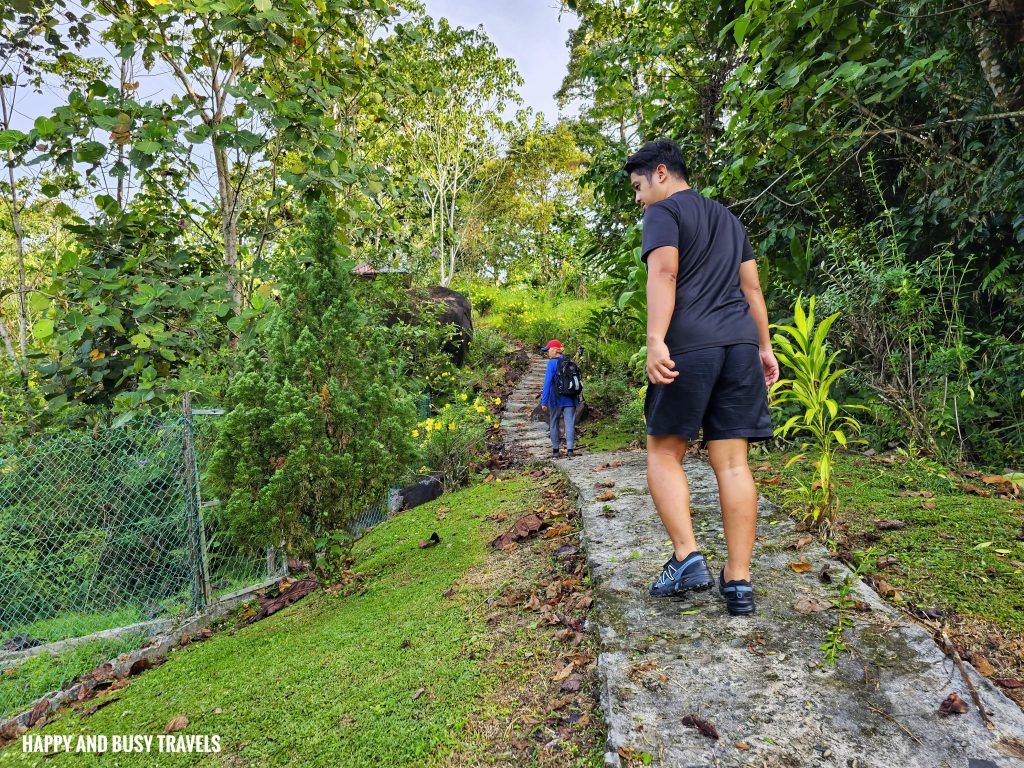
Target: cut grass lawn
391,675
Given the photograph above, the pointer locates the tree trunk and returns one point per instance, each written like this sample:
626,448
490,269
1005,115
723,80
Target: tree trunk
6,334
994,51
229,225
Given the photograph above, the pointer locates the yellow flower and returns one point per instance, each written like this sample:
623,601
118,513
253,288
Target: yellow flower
423,468
480,409
451,425
415,433
464,397
497,401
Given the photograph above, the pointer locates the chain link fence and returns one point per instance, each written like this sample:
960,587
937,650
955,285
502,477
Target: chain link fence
103,543
106,539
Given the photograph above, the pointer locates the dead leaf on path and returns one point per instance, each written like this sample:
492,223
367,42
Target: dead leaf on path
860,605
419,692
566,550
572,683
606,496
176,724
565,672
885,589
982,664
1003,484
533,604
434,540
801,566
888,560
1009,682
702,725
1010,746
763,468
811,605
604,484
952,705
890,525
558,530
770,480
802,542
521,529
971,488
609,465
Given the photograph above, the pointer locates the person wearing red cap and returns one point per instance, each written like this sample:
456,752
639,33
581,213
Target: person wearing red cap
709,362
559,406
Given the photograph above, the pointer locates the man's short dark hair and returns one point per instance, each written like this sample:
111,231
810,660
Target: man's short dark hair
646,160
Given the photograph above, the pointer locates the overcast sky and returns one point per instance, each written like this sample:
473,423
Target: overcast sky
528,31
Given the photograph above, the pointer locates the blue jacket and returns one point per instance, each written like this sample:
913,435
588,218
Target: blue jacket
549,396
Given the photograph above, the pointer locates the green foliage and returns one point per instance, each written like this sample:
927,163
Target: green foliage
129,310
802,347
315,434
454,437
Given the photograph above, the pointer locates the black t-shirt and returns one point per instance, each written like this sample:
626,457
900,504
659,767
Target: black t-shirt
711,310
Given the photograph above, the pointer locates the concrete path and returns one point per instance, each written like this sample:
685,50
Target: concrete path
760,681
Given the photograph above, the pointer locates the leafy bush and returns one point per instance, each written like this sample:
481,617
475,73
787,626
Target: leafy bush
453,437
314,435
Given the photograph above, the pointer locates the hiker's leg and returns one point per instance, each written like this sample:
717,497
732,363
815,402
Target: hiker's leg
554,426
738,495
570,426
670,491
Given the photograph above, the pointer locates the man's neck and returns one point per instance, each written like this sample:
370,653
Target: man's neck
678,186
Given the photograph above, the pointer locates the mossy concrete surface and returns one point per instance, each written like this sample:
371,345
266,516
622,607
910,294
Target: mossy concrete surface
761,681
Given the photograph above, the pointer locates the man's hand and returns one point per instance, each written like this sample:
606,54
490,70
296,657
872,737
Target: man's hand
660,363
770,366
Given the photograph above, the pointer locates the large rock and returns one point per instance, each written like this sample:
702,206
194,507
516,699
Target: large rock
420,492
457,311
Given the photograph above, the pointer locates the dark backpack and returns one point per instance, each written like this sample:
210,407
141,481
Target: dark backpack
568,379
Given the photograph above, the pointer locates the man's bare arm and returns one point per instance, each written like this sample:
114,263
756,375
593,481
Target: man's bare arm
750,284
662,268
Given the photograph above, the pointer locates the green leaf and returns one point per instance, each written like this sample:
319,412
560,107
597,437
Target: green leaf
739,29
142,341
43,329
10,139
263,5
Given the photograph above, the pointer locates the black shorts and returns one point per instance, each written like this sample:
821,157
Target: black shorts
721,389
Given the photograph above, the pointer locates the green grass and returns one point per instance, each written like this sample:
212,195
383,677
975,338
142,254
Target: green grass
966,554
76,624
45,672
604,435
534,316
331,680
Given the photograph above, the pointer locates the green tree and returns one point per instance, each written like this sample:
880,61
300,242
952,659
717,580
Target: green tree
315,433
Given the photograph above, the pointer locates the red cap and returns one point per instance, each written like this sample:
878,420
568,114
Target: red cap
554,343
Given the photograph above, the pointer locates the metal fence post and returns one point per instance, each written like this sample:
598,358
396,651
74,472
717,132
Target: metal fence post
194,512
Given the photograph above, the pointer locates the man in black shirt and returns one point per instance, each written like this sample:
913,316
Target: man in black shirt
709,361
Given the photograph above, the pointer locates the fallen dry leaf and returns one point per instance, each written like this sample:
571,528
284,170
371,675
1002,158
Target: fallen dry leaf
702,725
433,541
97,707
558,530
888,560
521,529
971,488
606,496
801,566
565,672
982,664
890,525
742,745
419,692
776,480
885,589
176,724
952,705
1009,682
572,683
811,605
802,542
928,505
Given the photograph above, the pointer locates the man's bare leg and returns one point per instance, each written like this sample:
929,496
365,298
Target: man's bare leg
670,491
738,495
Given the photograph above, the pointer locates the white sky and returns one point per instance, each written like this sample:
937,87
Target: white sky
528,31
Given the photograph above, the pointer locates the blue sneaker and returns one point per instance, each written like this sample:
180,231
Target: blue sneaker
680,576
738,594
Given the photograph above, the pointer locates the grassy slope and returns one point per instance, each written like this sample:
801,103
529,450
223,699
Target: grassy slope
947,557
331,680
